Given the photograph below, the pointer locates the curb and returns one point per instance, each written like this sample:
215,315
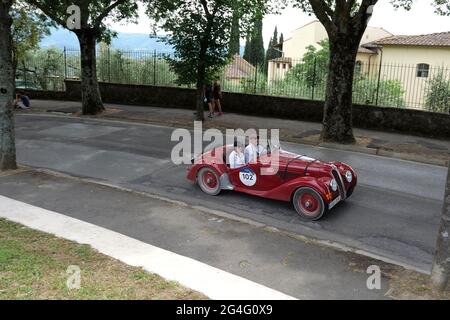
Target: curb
348,148
413,157
213,282
333,244
387,153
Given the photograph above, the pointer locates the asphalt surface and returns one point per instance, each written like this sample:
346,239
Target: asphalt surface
301,269
394,212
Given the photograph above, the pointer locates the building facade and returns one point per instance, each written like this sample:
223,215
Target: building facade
411,61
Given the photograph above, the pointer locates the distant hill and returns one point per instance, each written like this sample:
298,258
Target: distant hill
61,38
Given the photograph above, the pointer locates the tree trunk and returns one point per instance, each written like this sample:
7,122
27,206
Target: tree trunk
7,85
201,74
441,265
337,119
90,93
199,105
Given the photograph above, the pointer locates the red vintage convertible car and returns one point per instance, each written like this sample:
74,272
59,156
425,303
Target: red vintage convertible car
313,186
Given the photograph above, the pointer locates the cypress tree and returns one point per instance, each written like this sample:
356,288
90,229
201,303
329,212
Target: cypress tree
271,53
247,48
234,45
257,52
279,54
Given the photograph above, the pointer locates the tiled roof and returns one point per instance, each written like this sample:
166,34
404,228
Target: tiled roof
365,50
441,39
239,68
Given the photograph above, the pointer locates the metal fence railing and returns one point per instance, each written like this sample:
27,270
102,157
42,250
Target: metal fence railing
393,85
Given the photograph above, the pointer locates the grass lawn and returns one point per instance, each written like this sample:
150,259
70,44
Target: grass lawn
33,265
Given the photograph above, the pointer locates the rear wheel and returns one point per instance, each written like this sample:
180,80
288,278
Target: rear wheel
208,181
308,203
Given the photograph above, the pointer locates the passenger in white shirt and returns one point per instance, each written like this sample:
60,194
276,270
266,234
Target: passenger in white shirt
253,150
237,158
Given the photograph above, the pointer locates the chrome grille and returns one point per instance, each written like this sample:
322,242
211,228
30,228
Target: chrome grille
340,183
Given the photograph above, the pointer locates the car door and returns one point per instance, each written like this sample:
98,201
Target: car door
250,177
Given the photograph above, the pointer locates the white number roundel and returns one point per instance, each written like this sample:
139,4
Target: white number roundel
248,177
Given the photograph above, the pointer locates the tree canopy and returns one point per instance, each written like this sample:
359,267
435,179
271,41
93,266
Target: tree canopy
442,7
87,20
27,30
200,31
235,37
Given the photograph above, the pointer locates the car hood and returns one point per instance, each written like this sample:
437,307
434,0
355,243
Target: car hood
300,164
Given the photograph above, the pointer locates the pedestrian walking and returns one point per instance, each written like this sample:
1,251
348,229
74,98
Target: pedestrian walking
217,92
209,98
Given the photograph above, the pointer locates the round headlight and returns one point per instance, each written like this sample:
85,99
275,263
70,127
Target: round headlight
333,185
349,176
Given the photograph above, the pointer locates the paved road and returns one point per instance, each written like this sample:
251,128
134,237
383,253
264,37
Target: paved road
394,212
299,268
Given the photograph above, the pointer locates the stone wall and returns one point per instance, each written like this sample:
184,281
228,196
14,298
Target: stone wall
364,116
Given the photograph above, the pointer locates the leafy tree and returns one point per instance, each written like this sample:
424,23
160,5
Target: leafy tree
314,67
7,139
235,37
92,29
130,67
442,7
386,93
200,32
438,95
345,22
45,68
28,29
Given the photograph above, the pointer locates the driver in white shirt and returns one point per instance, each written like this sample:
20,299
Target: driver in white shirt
236,157
253,150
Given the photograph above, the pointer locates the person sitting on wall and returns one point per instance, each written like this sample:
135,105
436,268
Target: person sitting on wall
22,101
237,158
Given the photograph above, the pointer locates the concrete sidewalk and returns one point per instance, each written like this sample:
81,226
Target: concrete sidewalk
407,147
299,268
212,282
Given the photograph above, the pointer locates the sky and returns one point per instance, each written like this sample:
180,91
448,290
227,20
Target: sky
421,19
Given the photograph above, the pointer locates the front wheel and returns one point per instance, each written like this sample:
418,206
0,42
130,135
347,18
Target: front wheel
308,203
208,181
350,192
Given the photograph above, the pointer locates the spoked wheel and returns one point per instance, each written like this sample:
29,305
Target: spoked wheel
208,180
308,204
